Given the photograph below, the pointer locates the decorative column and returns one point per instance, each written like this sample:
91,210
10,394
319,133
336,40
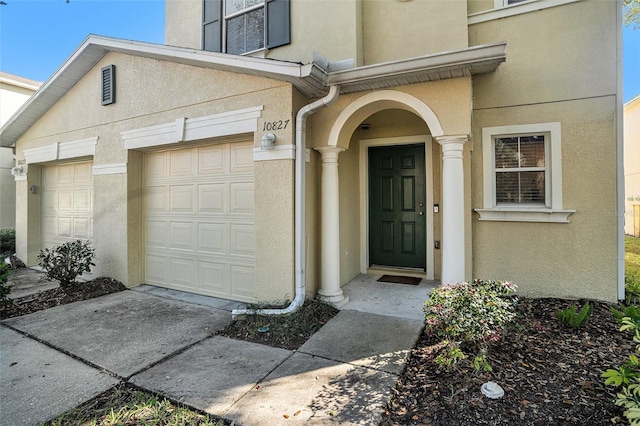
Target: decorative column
453,245
330,290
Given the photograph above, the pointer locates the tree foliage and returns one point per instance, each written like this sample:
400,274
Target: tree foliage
631,12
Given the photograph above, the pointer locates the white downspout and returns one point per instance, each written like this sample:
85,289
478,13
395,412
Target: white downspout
300,201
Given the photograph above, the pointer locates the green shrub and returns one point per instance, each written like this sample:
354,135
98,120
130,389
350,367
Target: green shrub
64,263
475,313
7,242
627,377
570,318
5,289
631,311
631,289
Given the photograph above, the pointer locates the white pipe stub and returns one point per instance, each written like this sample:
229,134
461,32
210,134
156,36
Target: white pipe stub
492,390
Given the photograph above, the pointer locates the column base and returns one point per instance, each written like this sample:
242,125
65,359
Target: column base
337,300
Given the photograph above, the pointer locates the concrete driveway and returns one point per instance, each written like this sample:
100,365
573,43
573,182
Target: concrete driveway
56,359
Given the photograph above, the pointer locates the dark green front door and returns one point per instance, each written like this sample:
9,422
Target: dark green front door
397,230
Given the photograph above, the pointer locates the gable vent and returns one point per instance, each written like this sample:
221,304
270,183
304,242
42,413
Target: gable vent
108,84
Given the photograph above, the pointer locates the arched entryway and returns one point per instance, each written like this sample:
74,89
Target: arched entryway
402,147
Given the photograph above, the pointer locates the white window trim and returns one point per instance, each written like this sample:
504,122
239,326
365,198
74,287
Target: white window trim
503,10
553,211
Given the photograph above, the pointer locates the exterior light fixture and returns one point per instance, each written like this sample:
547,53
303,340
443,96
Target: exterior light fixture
266,141
15,171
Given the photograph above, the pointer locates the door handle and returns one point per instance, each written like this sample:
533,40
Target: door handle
420,213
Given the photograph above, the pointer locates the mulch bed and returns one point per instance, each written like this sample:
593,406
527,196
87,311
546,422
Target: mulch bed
59,296
551,375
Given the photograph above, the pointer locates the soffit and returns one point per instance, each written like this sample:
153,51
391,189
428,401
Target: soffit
309,79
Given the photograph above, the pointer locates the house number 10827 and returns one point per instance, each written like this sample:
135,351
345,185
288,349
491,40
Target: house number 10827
275,125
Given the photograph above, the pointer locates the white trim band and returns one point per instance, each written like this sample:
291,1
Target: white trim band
190,129
62,151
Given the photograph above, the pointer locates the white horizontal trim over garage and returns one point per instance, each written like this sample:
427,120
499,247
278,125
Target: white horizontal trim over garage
62,151
190,129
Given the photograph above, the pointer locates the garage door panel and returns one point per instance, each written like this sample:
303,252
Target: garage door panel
155,266
242,241
181,236
81,228
49,202
212,160
82,200
242,197
64,226
242,279
211,198
182,272
65,201
181,198
214,278
155,165
199,219
82,173
156,199
212,237
241,158
182,163
65,174
156,232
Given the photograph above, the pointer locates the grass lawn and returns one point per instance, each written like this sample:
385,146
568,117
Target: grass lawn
126,406
632,256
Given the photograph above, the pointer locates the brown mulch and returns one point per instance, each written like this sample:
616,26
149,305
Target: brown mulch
286,332
551,375
59,296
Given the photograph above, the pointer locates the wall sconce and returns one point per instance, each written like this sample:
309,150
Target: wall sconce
34,189
15,171
266,141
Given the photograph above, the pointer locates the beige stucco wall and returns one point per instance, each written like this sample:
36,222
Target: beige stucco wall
571,260
396,30
141,102
546,67
573,83
183,23
346,29
632,167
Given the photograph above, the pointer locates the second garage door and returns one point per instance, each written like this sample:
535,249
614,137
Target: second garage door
199,220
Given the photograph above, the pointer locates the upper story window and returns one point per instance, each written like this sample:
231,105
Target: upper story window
243,26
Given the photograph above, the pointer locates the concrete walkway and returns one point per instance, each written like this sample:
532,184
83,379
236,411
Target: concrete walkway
56,359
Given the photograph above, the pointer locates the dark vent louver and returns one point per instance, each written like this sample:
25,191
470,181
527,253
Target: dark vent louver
108,84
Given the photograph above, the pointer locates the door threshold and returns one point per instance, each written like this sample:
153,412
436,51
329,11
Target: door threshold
404,272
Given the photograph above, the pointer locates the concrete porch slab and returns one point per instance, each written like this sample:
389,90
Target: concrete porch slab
315,391
123,332
363,339
367,294
213,374
39,383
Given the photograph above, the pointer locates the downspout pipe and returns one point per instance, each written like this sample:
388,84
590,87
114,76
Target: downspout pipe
300,210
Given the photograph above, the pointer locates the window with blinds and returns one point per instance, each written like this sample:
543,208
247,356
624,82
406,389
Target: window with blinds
520,169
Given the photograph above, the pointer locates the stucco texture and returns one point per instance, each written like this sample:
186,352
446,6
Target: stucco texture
581,64
141,102
578,259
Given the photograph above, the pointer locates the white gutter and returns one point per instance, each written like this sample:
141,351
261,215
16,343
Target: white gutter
300,201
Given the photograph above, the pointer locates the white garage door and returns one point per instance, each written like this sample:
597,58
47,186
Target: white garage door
199,220
67,210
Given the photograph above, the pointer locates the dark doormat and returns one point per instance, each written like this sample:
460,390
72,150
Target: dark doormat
399,280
